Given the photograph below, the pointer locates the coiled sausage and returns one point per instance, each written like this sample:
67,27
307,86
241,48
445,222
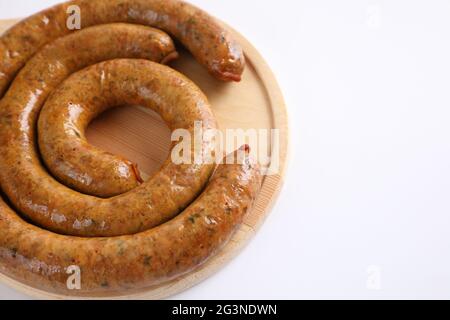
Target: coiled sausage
112,265
52,205
210,43
68,111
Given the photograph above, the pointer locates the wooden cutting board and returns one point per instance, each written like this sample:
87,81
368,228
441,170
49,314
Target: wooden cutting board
141,136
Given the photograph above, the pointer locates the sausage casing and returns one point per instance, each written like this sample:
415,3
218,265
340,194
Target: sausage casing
83,96
52,205
113,265
210,43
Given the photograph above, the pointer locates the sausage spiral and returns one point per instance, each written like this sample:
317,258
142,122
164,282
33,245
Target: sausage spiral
79,206
51,205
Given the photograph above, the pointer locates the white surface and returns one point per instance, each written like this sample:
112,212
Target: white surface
367,86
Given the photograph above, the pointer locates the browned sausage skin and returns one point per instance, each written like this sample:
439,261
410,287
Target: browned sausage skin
206,39
137,239
63,145
112,265
52,205
82,97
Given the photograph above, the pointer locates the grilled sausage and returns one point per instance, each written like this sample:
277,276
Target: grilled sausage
206,39
112,265
52,205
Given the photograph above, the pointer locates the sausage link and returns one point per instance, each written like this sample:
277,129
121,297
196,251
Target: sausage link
210,43
52,205
111,265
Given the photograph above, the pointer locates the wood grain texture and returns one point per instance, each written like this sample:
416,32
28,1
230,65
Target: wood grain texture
140,135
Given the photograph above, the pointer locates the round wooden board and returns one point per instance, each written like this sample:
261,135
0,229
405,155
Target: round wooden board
255,103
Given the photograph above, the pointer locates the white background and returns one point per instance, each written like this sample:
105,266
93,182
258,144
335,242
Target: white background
367,85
